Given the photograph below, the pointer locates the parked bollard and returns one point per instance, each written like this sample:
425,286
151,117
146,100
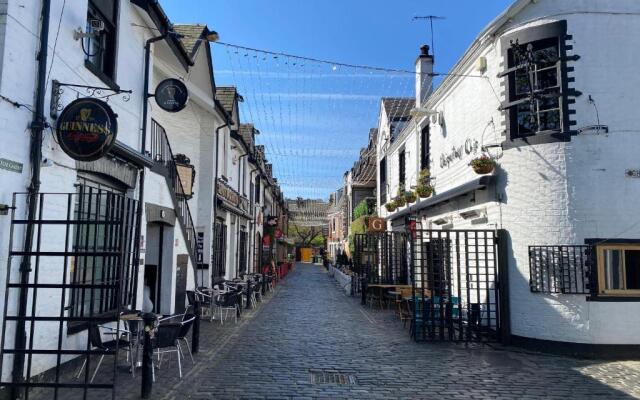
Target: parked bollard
195,331
147,354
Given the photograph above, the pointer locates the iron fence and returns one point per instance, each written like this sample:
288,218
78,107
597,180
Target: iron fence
83,273
456,293
559,269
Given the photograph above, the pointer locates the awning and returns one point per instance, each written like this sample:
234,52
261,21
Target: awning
478,183
130,154
233,209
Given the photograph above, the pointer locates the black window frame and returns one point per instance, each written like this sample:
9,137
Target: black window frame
557,30
103,184
219,250
257,190
402,165
107,71
425,147
383,180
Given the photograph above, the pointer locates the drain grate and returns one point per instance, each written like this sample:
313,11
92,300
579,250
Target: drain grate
330,376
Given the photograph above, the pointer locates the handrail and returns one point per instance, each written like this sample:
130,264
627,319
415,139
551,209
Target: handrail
162,154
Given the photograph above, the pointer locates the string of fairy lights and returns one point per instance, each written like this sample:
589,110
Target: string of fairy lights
314,116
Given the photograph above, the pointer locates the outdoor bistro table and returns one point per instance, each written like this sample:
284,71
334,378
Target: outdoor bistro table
136,317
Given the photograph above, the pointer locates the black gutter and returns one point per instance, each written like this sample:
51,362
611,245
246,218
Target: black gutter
37,126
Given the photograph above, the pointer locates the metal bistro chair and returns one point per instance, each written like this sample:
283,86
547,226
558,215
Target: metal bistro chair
228,301
187,322
166,341
95,338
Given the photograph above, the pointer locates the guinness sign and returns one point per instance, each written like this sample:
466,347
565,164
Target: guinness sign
87,129
172,95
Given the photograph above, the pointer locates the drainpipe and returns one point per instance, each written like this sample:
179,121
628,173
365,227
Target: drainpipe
238,224
215,188
253,222
143,145
146,367
37,126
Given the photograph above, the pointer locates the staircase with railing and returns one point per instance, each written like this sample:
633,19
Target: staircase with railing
164,158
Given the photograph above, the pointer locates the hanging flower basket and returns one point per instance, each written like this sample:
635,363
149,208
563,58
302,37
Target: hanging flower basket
424,191
410,197
483,165
400,201
391,206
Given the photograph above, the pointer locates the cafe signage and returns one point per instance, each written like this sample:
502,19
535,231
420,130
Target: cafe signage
172,95
376,224
229,195
470,147
87,128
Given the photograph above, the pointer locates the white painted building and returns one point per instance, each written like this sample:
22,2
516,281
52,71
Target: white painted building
76,63
567,164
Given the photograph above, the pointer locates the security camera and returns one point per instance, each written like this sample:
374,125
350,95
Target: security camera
97,25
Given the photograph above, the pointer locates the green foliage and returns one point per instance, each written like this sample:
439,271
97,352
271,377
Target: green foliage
364,208
357,227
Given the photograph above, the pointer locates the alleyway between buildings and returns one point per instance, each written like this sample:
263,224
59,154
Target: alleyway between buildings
308,325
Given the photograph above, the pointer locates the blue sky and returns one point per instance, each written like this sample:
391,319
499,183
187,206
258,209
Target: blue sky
314,117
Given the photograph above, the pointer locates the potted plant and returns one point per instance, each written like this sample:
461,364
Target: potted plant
391,206
410,197
483,164
424,191
399,199
423,176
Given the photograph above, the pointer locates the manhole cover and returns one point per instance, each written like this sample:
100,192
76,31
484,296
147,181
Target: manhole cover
328,376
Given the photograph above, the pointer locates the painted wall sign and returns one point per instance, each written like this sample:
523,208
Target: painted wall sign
470,147
172,95
10,165
87,128
377,224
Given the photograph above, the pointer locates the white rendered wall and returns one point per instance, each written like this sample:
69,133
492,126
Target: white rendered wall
556,193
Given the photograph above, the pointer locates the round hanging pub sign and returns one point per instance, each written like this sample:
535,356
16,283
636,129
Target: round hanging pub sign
86,129
171,95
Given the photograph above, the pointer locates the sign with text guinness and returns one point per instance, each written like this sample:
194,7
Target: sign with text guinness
172,95
86,129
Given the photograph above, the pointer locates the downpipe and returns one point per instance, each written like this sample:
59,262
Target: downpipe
147,372
37,127
215,190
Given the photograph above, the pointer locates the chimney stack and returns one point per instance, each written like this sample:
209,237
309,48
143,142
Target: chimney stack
424,79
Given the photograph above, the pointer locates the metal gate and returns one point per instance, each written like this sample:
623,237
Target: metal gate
380,258
83,273
457,292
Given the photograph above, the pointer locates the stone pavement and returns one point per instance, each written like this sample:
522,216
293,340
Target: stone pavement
309,325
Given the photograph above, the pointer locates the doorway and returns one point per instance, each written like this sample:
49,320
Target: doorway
158,271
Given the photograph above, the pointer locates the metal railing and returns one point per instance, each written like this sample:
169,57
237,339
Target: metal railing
162,154
559,269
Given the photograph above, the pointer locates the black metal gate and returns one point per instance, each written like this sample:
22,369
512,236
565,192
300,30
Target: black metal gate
456,287
380,258
83,273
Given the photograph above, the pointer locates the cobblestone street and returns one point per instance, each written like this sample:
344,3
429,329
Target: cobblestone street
310,325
